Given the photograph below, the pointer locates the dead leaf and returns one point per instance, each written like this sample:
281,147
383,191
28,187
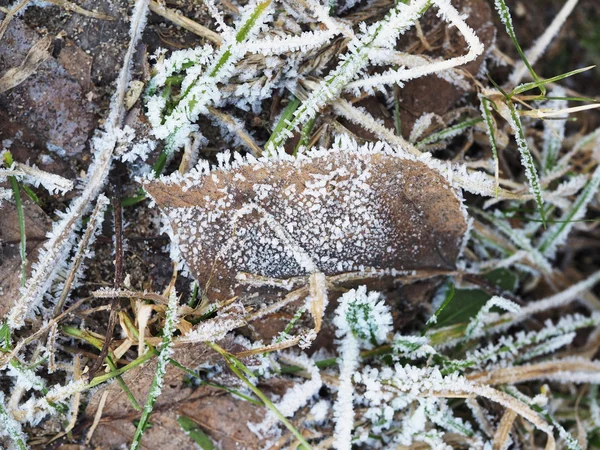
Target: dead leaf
346,211
49,103
37,224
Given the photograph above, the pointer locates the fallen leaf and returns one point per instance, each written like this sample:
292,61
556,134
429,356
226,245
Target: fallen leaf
49,102
344,210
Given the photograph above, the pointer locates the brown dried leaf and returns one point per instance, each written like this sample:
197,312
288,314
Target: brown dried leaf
49,104
339,211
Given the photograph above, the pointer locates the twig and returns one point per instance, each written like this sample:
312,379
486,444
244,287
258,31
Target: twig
172,16
114,304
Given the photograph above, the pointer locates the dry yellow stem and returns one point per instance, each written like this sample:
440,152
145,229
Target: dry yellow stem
537,371
178,19
38,53
502,433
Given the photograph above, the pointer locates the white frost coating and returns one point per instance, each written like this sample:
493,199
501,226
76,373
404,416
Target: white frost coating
554,131
447,12
510,113
360,318
384,56
216,329
508,347
343,409
62,236
413,347
421,125
484,316
35,409
26,379
400,386
36,177
562,298
535,52
558,232
8,425
295,397
277,45
201,83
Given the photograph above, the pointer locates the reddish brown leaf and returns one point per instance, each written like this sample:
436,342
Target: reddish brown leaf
337,211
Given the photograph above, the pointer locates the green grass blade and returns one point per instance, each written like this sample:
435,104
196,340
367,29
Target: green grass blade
506,19
286,116
433,319
161,369
558,232
449,132
195,433
527,160
97,343
486,111
540,83
238,368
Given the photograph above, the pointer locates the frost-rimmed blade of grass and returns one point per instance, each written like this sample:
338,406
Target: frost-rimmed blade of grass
517,237
434,317
16,188
558,232
242,372
554,134
400,18
199,91
527,159
490,127
506,19
539,83
161,368
10,427
448,133
285,117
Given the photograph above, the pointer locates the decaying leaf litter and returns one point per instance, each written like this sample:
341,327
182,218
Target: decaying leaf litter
445,348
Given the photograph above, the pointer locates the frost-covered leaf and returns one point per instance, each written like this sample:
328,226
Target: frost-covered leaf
348,209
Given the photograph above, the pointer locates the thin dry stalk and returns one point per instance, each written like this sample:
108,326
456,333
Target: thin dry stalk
232,125
574,370
37,54
173,16
502,435
97,417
